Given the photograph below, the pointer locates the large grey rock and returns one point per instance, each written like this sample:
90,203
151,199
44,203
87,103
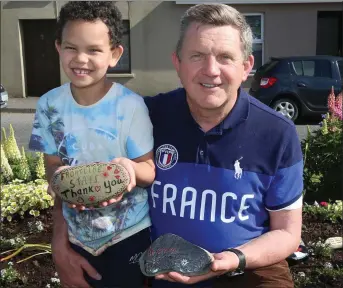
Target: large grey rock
170,253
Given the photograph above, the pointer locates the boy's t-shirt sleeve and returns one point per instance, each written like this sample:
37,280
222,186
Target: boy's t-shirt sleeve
287,185
41,139
140,139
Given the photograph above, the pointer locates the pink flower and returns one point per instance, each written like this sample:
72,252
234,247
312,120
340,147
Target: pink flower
339,106
339,100
335,104
324,204
331,100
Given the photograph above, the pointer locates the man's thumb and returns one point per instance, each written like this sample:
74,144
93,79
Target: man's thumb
90,270
220,263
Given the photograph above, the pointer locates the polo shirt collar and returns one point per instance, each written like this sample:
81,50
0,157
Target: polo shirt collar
237,115
239,112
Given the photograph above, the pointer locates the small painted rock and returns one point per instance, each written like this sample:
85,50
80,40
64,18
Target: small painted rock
91,184
334,242
170,253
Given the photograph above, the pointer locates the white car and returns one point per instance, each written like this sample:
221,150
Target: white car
4,97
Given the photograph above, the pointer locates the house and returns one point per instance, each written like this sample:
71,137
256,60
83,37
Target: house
30,65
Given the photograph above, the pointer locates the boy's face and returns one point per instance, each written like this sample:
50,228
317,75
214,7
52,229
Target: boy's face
86,52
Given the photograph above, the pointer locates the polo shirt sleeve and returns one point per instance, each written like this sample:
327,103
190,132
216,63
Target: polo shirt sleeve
41,139
140,139
285,191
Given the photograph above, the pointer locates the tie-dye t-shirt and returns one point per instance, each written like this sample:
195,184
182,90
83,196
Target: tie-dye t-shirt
118,125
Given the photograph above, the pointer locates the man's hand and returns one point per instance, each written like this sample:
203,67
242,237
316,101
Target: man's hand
70,266
223,263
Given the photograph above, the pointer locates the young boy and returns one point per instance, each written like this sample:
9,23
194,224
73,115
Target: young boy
90,120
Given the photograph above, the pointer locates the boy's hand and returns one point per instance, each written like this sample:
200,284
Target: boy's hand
129,166
50,190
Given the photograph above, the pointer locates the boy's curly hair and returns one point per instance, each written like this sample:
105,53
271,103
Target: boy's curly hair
91,11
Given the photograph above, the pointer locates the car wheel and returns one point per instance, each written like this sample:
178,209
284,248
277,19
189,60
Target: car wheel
287,108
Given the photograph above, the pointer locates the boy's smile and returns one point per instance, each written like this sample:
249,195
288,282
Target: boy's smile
81,72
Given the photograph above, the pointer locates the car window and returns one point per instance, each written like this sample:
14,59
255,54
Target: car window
340,67
312,68
308,67
298,67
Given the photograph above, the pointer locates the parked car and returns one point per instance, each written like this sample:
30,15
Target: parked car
298,86
4,97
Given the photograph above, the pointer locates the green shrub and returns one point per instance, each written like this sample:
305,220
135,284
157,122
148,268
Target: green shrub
10,146
323,156
18,198
40,168
21,168
330,212
16,165
9,275
6,170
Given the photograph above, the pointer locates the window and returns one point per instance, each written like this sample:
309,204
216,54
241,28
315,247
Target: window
298,67
124,64
256,23
312,68
308,68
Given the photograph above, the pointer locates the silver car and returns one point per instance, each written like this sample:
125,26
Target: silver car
4,97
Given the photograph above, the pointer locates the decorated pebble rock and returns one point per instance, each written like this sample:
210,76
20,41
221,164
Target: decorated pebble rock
170,253
91,184
334,242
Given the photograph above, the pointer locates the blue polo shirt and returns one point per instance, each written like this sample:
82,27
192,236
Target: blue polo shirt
214,189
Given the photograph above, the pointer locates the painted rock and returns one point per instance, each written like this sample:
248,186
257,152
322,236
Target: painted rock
334,242
170,253
91,184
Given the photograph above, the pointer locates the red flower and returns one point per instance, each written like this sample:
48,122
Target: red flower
324,204
91,198
105,174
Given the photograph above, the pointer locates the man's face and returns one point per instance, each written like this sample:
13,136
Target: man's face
211,66
86,52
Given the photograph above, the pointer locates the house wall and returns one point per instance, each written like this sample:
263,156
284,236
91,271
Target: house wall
289,29
12,66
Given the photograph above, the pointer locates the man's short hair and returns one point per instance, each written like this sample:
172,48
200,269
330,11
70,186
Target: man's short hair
217,15
91,11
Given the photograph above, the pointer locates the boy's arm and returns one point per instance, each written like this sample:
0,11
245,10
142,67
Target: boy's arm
143,168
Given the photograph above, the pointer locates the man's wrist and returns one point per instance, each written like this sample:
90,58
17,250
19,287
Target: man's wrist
237,258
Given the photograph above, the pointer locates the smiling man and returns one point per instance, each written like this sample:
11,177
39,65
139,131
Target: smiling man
228,168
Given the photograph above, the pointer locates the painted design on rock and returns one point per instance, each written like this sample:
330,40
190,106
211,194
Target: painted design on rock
170,253
90,184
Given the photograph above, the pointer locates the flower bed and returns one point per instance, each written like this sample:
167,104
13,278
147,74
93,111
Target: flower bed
323,268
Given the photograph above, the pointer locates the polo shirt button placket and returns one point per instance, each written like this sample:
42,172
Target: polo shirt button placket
202,151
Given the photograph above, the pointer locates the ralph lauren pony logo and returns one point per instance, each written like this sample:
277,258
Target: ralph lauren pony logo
238,169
